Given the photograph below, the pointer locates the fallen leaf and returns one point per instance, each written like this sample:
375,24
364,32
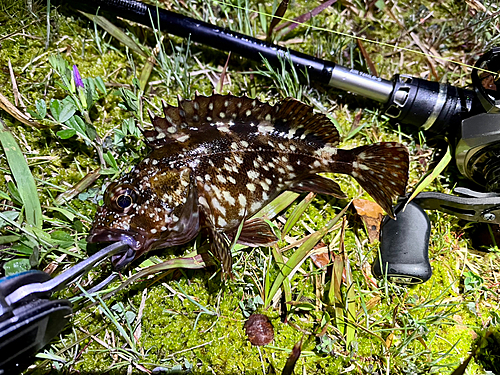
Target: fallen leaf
321,256
371,214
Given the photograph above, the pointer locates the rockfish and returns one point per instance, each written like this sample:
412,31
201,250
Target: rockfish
217,160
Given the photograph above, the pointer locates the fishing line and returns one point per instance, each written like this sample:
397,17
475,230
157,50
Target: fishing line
319,28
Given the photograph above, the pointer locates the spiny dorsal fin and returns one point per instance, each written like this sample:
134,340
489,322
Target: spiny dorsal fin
207,117
308,125
204,115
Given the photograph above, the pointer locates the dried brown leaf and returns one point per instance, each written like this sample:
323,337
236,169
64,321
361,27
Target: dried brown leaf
371,214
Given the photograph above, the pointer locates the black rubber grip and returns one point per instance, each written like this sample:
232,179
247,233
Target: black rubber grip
404,246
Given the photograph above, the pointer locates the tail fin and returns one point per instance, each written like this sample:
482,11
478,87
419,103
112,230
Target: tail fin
382,170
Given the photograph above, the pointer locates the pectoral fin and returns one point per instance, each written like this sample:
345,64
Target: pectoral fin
221,249
320,185
256,232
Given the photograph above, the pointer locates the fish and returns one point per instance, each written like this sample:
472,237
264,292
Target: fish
217,160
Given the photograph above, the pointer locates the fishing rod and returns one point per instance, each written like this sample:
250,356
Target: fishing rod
414,101
468,118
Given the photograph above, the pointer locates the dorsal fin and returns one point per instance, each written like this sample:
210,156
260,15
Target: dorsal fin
207,117
308,125
204,115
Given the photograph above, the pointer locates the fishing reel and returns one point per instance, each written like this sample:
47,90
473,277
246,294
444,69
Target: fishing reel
472,124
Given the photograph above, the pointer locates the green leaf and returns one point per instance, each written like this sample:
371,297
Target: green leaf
22,175
68,109
61,67
90,131
66,133
110,160
55,109
77,123
14,193
432,176
8,239
9,215
16,265
100,85
41,108
131,103
34,114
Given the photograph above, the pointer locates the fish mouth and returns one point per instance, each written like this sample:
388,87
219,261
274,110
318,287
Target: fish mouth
135,246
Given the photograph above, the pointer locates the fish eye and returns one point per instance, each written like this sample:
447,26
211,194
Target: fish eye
121,197
124,201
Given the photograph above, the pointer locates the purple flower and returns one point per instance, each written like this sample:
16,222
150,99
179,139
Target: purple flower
77,78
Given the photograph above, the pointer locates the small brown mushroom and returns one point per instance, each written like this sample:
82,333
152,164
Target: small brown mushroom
259,330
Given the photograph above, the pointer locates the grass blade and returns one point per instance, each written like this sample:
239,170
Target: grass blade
300,254
297,213
116,33
433,175
279,204
23,177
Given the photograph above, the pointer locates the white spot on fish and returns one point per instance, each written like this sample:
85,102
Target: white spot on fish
216,204
203,202
172,129
211,106
153,230
242,200
253,174
244,143
221,178
221,221
251,187
228,198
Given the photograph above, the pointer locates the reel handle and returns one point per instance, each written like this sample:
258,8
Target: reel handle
404,246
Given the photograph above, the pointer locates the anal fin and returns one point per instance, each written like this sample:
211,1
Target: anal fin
320,185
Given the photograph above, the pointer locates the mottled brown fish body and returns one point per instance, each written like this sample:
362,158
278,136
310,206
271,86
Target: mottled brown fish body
218,160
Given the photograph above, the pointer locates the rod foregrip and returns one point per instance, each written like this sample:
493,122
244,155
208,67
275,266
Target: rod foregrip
404,246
